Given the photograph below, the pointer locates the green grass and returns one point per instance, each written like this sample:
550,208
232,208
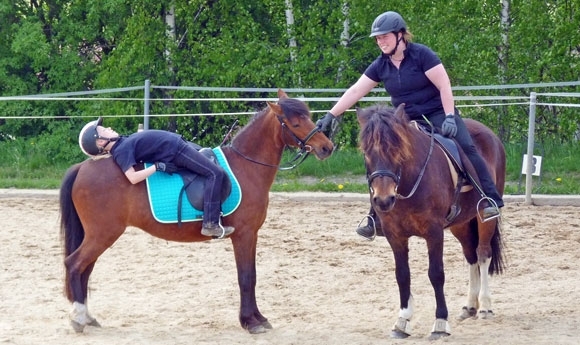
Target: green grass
343,172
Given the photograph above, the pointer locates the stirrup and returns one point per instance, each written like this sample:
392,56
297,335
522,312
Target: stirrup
374,227
222,228
492,204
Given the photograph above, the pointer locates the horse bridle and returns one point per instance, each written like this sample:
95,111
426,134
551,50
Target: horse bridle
300,156
397,177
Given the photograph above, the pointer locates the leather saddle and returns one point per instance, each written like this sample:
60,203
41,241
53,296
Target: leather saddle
193,184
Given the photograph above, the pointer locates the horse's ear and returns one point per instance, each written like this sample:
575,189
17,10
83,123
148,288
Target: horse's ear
275,108
282,94
400,111
360,116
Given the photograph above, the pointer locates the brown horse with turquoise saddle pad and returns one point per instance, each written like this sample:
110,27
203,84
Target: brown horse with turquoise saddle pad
414,193
97,204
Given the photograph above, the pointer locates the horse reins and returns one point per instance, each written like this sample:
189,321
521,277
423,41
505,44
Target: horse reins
298,158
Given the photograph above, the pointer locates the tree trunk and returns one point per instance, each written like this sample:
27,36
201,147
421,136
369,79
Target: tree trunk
503,54
292,38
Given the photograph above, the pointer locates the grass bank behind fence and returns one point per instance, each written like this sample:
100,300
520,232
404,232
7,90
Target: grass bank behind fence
23,166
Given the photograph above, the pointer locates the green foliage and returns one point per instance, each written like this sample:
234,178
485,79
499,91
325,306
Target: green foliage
64,46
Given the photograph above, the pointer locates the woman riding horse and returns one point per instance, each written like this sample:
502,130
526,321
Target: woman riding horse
414,75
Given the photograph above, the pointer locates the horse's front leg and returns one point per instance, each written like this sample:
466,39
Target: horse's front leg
441,326
402,328
245,253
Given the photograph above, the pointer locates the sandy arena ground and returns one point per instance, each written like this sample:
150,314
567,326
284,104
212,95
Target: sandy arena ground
318,282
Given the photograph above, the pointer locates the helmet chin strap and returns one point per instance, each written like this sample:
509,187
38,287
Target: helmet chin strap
399,39
109,140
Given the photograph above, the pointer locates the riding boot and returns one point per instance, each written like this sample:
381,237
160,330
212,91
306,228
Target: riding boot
211,227
491,199
216,230
373,227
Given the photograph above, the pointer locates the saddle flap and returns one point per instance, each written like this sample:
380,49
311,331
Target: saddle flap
194,185
451,151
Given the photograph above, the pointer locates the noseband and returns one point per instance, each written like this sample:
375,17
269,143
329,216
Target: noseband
385,173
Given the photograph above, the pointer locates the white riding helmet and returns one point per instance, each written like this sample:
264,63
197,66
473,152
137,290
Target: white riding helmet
88,138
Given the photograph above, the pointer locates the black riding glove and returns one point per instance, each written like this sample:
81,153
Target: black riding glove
324,123
449,127
329,125
169,168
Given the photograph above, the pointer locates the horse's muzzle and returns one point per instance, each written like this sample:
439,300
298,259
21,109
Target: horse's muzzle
384,203
323,151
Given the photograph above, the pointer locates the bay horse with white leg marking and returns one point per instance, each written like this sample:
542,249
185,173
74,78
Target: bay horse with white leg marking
412,193
97,204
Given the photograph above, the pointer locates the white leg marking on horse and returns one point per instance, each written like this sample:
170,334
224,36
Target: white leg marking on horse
407,313
79,316
484,293
470,309
474,286
403,323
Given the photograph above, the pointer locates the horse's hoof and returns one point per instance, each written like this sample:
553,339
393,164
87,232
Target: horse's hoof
396,334
486,314
77,326
467,313
440,329
401,329
438,335
259,329
94,323
267,325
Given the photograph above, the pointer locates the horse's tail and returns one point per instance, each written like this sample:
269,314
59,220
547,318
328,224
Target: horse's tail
498,264
71,229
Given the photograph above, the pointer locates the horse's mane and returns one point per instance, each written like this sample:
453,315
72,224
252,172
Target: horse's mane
385,134
293,107
290,106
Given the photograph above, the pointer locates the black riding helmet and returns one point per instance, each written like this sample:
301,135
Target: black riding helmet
388,22
88,138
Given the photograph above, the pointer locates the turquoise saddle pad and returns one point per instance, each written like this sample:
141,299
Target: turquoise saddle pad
163,191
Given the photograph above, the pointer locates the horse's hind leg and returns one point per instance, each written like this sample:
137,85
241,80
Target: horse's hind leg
478,253
485,311
467,235
79,314
470,309
488,249
79,266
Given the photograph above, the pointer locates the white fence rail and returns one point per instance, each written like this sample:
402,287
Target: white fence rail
477,101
